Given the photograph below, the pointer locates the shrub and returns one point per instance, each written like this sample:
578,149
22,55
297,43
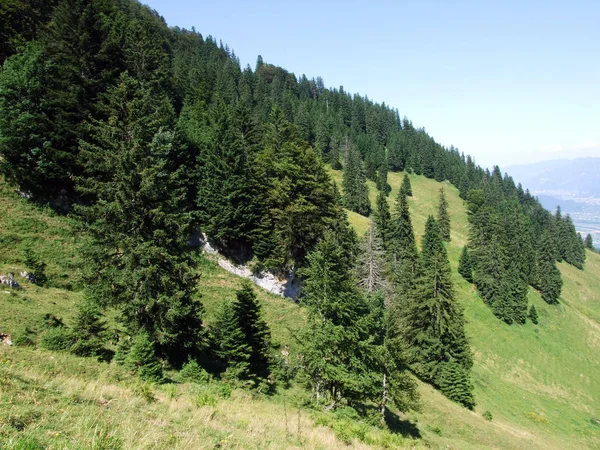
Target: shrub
142,359
56,339
89,331
192,372
487,415
24,338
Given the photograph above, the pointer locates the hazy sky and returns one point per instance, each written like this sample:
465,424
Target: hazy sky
508,82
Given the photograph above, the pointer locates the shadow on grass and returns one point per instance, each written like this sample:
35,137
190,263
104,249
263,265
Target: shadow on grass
401,426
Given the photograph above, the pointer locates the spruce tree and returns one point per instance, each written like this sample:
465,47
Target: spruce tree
142,359
383,219
464,265
89,331
549,281
255,331
455,384
406,186
402,247
589,243
533,315
231,346
443,217
434,322
337,355
356,192
139,260
227,190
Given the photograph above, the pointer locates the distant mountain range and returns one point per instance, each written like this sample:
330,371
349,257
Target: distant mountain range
574,184
564,179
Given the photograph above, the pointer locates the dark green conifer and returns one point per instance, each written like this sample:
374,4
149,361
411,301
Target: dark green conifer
589,243
549,282
255,331
142,359
232,348
402,247
139,260
443,217
533,315
406,186
383,218
455,383
356,192
89,331
434,322
464,265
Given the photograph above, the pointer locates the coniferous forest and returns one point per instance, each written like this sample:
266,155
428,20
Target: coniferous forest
148,135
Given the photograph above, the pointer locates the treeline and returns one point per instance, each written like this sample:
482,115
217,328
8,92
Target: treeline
148,133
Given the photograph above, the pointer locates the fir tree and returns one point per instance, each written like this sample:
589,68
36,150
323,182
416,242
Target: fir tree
589,243
337,356
254,329
356,193
549,280
434,322
402,247
89,331
443,217
383,218
139,260
406,186
464,265
533,315
231,346
142,359
456,384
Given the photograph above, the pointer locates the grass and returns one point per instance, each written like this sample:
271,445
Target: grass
540,383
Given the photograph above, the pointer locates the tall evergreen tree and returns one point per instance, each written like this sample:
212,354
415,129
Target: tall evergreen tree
589,243
338,357
434,323
383,218
533,315
231,346
402,247
255,331
139,260
443,217
548,280
356,193
464,265
406,186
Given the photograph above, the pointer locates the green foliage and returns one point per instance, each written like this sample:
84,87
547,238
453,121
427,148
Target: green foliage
455,384
89,331
138,259
464,265
24,338
402,247
142,360
356,193
406,188
434,323
589,243
487,415
383,218
192,372
533,315
231,346
37,266
57,339
443,217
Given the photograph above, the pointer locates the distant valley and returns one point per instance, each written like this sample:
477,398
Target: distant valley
574,184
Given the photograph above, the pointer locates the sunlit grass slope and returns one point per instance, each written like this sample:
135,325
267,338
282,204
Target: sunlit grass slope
540,382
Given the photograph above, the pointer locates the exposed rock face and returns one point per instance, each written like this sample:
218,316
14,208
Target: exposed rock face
285,286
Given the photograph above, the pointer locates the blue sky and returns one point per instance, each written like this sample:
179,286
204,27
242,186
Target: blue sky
508,82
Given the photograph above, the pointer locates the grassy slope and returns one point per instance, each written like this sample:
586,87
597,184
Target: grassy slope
539,382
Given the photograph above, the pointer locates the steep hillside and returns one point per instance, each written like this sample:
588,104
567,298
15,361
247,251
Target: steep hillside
539,382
